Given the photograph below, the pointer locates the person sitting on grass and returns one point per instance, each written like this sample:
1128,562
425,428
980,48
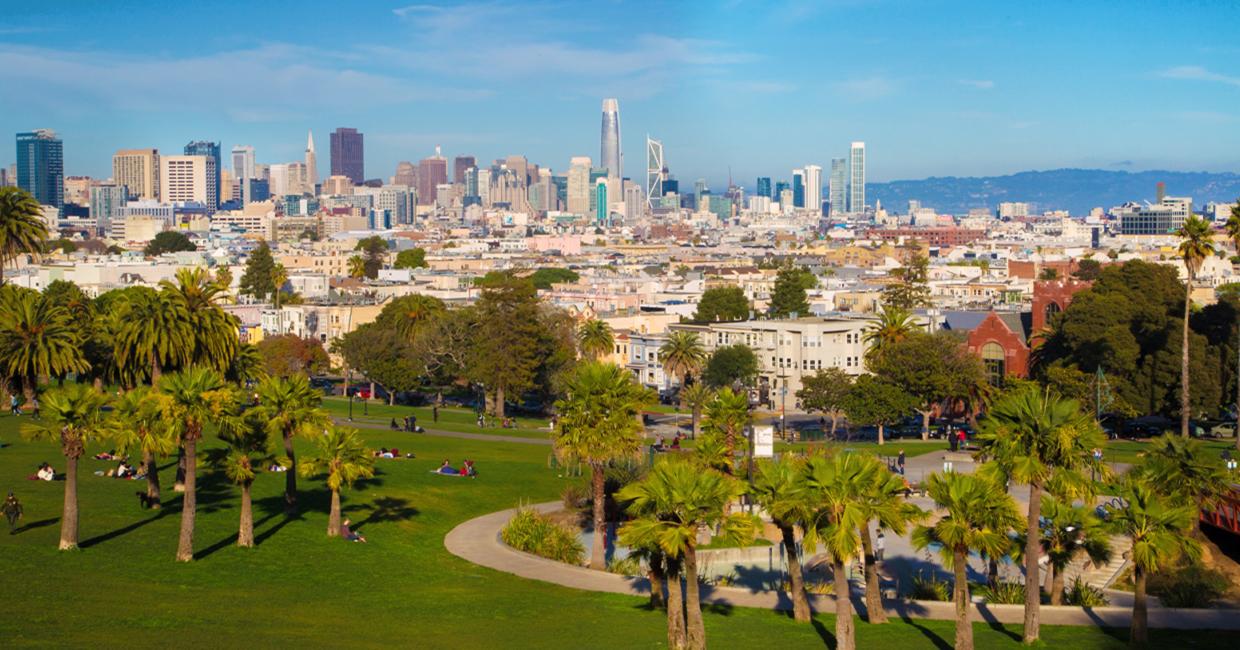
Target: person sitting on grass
348,534
676,443
45,473
447,468
394,426
124,470
468,469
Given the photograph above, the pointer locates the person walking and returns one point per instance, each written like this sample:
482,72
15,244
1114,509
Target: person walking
880,545
14,406
900,462
34,407
12,511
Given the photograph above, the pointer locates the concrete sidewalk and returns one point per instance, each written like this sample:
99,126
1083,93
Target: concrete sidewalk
449,434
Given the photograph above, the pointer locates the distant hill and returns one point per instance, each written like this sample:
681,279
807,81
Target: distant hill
1076,190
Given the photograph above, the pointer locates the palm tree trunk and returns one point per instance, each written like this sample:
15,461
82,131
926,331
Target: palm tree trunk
290,476
655,573
1056,584
156,372
333,519
843,608
925,424
676,637
245,533
697,421
992,572
499,402
1185,408
835,418
189,507
179,484
796,581
964,627
152,479
880,434
1138,633
69,520
695,629
1033,549
873,596
598,548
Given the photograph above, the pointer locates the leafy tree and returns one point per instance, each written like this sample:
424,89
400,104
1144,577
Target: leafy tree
1048,273
1182,468
504,351
248,452
726,420
1197,243
722,304
143,431
1067,532
883,502
731,365
912,286
682,355
247,365
384,356
290,407
595,339
257,279
978,516
22,228
342,455
413,258
153,334
930,367
168,241
1088,270
788,296
279,277
374,251
74,417
695,397
286,355
894,324
80,308
545,277
825,391
409,315
599,423
779,487
357,267
63,245
37,339
195,297
876,401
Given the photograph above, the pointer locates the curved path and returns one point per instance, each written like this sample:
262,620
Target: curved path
450,434
478,540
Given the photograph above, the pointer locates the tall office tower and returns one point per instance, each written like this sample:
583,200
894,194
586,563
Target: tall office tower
5,181
520,168
431,172
210,150
764,187
609,149
138,171
836,186
656,170
106,201
798,188
634,202
243,169
856,185
188,178
348,155
813,188
780,186
484,185
41,166
600,202
337,186
459,166
471,182
699,189
406,174
312,164
579,185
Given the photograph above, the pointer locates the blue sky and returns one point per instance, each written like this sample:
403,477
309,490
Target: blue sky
934,88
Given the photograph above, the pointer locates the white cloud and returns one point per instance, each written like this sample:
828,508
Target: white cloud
981,84
1198,73
866,89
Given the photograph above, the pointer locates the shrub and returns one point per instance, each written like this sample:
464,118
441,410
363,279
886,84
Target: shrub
575,496
931,588
1191,586
625,566
536,533
1083,595
1002,593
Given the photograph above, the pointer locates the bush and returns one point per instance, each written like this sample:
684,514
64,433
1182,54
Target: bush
1191,586
1003,593
536,533
931,588
575,496
625,566
1083,595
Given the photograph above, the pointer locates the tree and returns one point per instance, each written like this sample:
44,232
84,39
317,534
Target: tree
22,228
545,277
721,304
410,315
257,279
37,339
142,430
279,276
74,417
1048,273
1088,270
731,365
788,296
80,308
247,365
194,296
932,368
595,339
670,506
894,325
695,397
1196,244
290,407
357,267
779,487
154,334
383,356
247,453
1232,227
882,501
1182,468
598,424
726,420
825,391
224,280
286,355
1068,531
978,516
504,354
342,455
1157,529
168,241
412,258
912,286
1034,437
682,355
876,401
374,251
190,400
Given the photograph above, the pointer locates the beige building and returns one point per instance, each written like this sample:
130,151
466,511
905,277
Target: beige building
579,185
138,170
186,178
337,186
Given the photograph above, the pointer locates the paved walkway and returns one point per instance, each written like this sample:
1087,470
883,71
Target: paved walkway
450,434
478,540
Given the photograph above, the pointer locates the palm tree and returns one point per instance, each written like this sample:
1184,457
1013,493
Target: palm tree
37,339
279,276
1036,436
695,397
190,399
154,334
73,416
682,355
1067,531
22,228
882,500
144,431
894,324
344,458
1196,244
357,267
595,339
1232,227
291,407
598,424
1157,529
726,419
979,515
247,453
779,487
1181,468
246,366
214,332
670,505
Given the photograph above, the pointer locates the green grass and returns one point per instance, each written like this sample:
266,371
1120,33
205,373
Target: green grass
300,588
1127,451
450,419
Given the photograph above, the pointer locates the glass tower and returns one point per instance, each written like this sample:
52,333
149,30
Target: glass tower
798,188
837,186
347,154
856,185
41,166
764,186
609,149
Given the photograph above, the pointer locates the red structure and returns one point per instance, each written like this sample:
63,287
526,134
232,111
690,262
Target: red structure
1226,513
1001,345
1051,297
934,236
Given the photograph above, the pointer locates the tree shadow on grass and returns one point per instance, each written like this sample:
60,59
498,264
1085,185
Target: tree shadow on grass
125,530
34,524
993,622
386,509
938,641
827,636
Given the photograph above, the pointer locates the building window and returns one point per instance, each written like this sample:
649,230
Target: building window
995,363
1052,308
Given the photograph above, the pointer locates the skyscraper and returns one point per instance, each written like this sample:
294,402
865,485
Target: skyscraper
813,187
138,171
41,166
106,201
347,155
579,185
243,170
406,174
212,151
600,202
856,185
432,172
837,186
459,166
764,186
609,150
700,189
312,164
798,188
189,178
656,171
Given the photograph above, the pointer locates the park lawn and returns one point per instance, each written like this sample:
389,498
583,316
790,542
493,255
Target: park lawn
299,587
457,420
1128,451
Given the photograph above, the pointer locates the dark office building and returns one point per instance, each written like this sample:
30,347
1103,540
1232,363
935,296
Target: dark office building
41,166
210,150
764,186
459,165
348,155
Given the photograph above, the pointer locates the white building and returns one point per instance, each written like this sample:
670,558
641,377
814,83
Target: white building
856,185
813,187
188,178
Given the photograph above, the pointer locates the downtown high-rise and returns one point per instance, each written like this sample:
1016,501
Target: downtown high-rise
41,166
432,172
856,184
210,150
813,187
837,186
348,154
137,170
609,148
